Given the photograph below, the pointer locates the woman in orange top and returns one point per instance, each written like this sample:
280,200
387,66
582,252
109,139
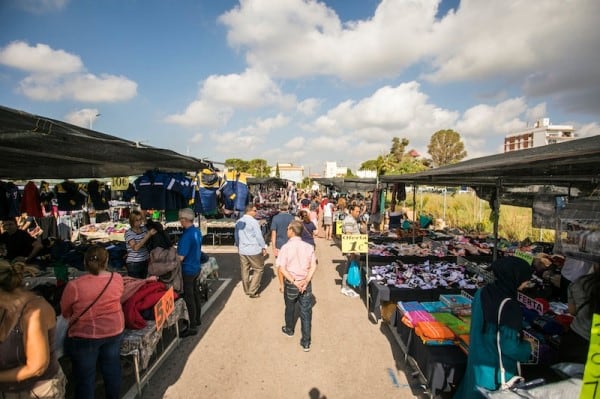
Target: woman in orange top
92,303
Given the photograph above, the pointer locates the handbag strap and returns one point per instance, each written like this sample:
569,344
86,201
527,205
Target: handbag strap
502,371
91,304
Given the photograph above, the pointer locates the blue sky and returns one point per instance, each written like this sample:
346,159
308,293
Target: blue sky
303,81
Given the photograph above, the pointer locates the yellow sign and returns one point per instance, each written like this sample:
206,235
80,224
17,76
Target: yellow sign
355,243
119,183
338,227
163,308
526,256
591,375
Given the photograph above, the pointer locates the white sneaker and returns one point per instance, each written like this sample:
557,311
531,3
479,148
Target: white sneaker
349,292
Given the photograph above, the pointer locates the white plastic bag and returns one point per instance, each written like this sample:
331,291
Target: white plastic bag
62,325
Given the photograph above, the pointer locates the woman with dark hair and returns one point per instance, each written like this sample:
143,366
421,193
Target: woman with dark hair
483,363
309,229
29,366
583,301
92,304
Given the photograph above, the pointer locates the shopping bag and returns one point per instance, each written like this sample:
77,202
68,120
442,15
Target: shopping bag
60,333
353,274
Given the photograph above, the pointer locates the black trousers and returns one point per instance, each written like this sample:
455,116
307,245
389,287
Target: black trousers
192,298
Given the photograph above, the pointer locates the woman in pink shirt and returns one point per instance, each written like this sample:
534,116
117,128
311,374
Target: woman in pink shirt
92,304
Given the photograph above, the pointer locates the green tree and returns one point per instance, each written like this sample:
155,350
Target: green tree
446,147
396,162
349,173
238,164
258,168
306,183
277,173
398,147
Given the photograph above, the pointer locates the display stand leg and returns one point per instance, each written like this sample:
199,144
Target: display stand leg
138,381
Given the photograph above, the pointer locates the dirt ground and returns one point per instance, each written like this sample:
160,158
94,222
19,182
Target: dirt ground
240,351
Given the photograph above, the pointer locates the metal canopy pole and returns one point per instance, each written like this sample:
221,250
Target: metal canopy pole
414,211
496,217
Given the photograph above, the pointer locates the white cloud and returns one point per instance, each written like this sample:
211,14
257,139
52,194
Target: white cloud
84,117
401,111
296,142
220,95
293,38
251,89
39,59
57,75
41,6
309,106
547,48
249,138
202,113
588,130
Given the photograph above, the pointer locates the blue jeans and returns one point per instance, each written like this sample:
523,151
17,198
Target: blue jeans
85,353
292,295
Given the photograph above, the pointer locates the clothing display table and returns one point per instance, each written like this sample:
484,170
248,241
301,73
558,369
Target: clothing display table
142,344
220,228
442,367
382,293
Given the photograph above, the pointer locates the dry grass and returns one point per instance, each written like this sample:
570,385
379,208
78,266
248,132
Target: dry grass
466,211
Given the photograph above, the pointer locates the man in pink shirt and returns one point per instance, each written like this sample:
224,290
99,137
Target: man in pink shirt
297,263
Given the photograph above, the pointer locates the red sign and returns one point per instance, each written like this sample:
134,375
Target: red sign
163,308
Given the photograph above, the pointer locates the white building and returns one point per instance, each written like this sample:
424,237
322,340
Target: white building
333,170
366,174
289,172
542,133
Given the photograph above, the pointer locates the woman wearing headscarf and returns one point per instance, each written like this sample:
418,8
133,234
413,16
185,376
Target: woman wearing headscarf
483,365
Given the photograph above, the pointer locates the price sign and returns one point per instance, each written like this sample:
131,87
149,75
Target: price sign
338,227
526,256
119,183
163,308
355,243
591,375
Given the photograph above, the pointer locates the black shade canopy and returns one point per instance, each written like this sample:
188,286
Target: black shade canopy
570,168
35,147
345,184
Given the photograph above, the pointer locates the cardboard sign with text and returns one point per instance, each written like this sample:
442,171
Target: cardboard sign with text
355,243
163,308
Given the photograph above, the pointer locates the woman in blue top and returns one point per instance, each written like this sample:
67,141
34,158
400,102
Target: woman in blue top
309,229
483,365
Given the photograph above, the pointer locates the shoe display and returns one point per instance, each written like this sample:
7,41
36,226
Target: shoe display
305,347
286,332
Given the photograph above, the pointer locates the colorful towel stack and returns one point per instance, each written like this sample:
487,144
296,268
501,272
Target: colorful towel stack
434,324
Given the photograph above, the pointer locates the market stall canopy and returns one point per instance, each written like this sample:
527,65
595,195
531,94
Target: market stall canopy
267,181
35,147
570,168
346,184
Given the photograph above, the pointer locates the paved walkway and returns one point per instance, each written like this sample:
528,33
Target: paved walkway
240,351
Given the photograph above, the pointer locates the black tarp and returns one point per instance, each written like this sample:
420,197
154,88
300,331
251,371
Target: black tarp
36,147
267,181
347,184
570,168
